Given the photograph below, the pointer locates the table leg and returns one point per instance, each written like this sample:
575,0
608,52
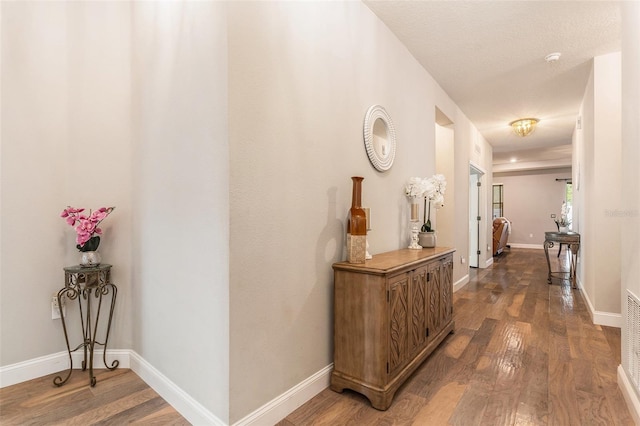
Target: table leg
71,294
89,327
114,294
573,260
548,244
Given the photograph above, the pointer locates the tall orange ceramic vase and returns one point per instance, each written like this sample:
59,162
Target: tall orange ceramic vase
357,225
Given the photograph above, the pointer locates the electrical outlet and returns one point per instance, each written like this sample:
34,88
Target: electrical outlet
462,260
55,309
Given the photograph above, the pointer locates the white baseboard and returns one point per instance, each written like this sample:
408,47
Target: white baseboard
54,363
610,319
461,283
489,262
188,407
607,318
527,246
629,394
283,405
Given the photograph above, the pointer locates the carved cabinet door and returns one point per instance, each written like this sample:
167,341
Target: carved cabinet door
398,352
418,322
435,320
446,307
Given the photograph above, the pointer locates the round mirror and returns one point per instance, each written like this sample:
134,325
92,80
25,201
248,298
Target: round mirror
379,138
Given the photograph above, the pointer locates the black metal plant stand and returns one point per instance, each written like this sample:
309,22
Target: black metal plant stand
90,285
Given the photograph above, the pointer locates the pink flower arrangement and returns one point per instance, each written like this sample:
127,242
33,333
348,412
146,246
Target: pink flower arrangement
86,226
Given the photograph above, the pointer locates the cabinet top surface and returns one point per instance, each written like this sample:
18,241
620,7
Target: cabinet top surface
387,262
76,269
570,237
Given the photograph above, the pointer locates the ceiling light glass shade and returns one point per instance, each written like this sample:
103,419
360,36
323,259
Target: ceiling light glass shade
524,126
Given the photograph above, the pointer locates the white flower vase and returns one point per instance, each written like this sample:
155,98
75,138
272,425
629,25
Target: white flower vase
414,225
427,239
89,259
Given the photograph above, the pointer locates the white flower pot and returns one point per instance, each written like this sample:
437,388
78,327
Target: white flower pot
427,239
90,259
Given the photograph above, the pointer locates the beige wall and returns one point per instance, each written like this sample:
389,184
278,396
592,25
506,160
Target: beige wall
86,122
180,196
65,140
228,217
302,76
598,180
445,165
529,200
630,202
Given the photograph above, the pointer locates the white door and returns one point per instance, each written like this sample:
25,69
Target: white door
475,182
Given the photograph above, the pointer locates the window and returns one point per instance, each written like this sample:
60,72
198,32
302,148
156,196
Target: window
498,201
568,197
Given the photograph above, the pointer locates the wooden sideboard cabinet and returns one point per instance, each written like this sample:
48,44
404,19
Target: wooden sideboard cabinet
390,313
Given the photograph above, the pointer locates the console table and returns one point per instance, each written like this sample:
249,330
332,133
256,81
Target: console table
572,240
390,313
89,285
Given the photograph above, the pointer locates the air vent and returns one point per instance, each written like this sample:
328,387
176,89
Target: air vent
632,355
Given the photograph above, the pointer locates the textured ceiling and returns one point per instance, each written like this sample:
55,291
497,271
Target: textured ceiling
489,57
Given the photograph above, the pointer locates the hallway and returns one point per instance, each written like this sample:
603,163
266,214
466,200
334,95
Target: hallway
523,353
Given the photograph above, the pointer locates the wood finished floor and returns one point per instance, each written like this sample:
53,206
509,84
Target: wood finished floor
524,353
119,397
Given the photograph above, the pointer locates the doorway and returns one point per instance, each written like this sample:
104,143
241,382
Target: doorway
475,185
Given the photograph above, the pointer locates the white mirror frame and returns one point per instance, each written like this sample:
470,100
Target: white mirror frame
382,161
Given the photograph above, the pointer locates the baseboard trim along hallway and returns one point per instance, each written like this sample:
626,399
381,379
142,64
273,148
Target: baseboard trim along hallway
283,405
49,364
188,407
630,397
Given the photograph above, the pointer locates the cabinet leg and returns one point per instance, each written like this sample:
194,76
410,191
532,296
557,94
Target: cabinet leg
379,399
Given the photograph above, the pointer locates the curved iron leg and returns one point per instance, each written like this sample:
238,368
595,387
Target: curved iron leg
92,333
58,381
83,295
115,363
547,245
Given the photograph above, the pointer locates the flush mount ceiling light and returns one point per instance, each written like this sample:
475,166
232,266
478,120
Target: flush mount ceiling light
552,57
524,126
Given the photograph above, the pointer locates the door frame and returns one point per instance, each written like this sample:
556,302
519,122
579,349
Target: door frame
476,175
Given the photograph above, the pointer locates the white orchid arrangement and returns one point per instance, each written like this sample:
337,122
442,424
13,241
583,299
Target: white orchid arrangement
437,185
415,187
432,190
564,215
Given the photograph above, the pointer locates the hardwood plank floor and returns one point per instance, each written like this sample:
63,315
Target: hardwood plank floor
119,397
524,353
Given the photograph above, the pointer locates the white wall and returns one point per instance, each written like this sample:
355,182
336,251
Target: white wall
445,165
302,76
630,202
597,184
66,136
479,153
221,250
180,196
96,114
530,198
